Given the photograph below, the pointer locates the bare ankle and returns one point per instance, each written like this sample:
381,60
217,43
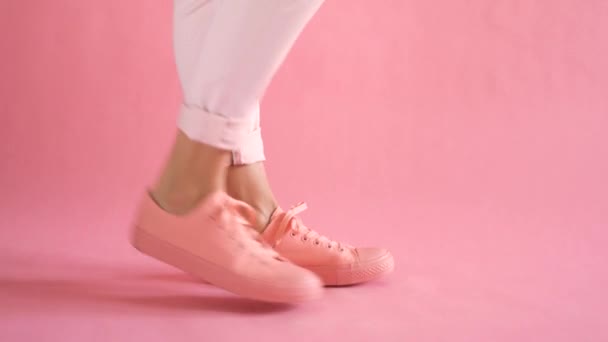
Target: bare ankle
193,171
248,183
175,201
263,216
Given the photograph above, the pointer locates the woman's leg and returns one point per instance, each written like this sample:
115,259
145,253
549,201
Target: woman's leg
248,183
227,51
193,169
336,263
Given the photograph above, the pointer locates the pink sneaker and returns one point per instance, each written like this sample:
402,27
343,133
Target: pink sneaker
334,262
215,243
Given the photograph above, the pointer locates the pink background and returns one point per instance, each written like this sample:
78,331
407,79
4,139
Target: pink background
467,136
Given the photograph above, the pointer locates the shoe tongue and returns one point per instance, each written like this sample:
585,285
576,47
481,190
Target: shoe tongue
272,230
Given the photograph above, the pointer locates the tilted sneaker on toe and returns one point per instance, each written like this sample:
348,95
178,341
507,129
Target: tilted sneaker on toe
336,263
214,242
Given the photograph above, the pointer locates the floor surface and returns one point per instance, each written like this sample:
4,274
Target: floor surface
480,280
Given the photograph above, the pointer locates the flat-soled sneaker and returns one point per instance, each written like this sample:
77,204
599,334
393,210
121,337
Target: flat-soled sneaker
216,243
336,263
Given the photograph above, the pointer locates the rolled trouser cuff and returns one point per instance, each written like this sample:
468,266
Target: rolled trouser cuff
214,129
252,151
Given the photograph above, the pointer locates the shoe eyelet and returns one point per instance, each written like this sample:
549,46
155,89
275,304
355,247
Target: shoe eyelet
317,243
293,234
329,246
304,238
341,250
